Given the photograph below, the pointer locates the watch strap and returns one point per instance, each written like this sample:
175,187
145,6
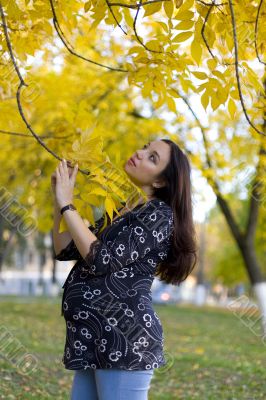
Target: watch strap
67,207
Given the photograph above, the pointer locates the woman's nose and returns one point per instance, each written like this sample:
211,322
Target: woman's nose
138,153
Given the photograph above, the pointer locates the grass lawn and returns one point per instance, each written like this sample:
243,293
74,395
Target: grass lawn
212,355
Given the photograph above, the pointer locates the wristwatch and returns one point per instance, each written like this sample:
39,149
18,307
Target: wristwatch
67,207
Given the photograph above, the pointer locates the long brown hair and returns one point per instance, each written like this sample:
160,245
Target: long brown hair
177,193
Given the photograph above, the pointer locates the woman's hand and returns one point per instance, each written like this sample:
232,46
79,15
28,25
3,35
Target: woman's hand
64,183
53,177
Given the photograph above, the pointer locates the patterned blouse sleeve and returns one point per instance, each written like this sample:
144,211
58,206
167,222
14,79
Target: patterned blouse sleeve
149,228
70,252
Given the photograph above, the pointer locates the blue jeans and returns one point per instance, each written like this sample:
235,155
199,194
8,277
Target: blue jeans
111,384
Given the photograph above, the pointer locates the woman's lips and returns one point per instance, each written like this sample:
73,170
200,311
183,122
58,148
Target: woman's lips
131,161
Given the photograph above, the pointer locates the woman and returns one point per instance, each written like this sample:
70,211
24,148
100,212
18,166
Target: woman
114,338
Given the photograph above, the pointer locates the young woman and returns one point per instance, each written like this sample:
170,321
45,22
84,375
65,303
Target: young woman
114,338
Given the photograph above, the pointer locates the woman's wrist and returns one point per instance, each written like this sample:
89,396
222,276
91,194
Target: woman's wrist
57,208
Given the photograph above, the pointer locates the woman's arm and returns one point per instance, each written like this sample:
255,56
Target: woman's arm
60,240
82,236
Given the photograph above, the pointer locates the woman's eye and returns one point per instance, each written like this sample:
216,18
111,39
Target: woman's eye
144,147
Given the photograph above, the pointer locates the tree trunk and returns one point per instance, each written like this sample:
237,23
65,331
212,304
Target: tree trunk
200,292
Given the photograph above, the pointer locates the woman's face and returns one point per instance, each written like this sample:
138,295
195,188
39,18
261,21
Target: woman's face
149,162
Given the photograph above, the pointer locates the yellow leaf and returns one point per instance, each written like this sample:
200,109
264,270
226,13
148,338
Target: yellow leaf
232,107
218,74
200,75
87,6
184,25
88,214
181,37
186,5
136,49
63,226
196,51
212,63
205,99
235,94
109,206
99,191
163,25
152,8
171,104
183,15
153,45
173,93
178,3
168,8
159,102
215,102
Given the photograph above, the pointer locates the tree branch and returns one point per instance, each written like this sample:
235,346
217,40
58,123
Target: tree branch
30,136
237,72
256,33
59,32
22,83
111,11
214,184
256,195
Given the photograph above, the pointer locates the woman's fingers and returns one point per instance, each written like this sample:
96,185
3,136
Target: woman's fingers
58,176
61,169
64,163
73,176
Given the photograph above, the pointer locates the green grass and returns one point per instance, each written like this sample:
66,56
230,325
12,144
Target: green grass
212,355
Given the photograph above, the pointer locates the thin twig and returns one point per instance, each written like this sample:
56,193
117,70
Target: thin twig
137,36
58,30
204,26
203,29
30,136
256,33
211,4
111,11
22,83
237,71
134,6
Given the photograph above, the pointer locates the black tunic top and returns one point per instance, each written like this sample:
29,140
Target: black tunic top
107,301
